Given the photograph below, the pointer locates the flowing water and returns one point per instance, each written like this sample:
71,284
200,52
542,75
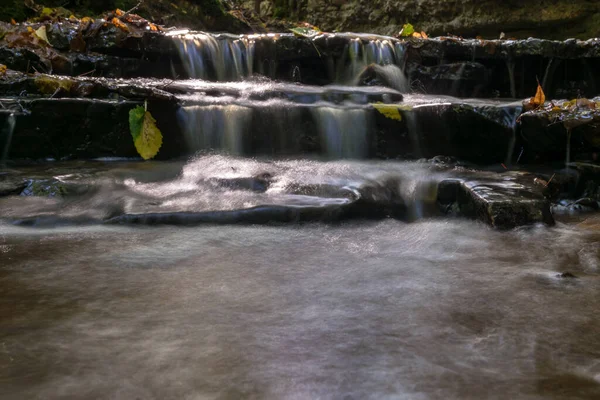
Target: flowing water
433,309
429,310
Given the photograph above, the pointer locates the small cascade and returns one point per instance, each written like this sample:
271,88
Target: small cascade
358,55
510,65
343,131
419,194
568,156
7,134
217,57
454,91
412,127
389,75
216,127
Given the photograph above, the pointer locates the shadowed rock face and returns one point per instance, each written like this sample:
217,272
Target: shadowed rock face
551,19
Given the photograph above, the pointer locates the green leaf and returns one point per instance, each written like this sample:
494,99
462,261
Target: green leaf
136,120
147,138
407,30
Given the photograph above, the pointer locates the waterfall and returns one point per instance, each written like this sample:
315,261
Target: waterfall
344,131
8,134
219,127
221,58
358,55
412,126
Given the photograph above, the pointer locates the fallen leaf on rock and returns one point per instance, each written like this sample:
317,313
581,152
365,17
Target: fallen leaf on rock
3,70
41,34
117,22
539,99
50,85
407,30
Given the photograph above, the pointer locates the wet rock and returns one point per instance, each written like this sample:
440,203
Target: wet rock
44,188
566,275
10,186
465,79
502,201
545,138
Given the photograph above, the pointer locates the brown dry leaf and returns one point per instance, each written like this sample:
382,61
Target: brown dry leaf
3,69
540,97
584,103
12,21
424,35
78,44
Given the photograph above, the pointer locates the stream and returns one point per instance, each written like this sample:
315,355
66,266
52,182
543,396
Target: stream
347,216
434,309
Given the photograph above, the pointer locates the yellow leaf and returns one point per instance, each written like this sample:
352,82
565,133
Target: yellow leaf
51,84
417,35
41,33
147,138
388,110
539,98
3,69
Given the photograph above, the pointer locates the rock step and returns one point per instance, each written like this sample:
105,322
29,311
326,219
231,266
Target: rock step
88,118
445,65
408,191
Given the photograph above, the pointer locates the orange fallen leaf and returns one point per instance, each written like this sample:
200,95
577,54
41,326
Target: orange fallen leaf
12,21
119,12
117,22
3,69
539,98
424,35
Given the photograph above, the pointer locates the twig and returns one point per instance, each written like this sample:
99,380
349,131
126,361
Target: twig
550,180
87,73
315,46
55,92
132,10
